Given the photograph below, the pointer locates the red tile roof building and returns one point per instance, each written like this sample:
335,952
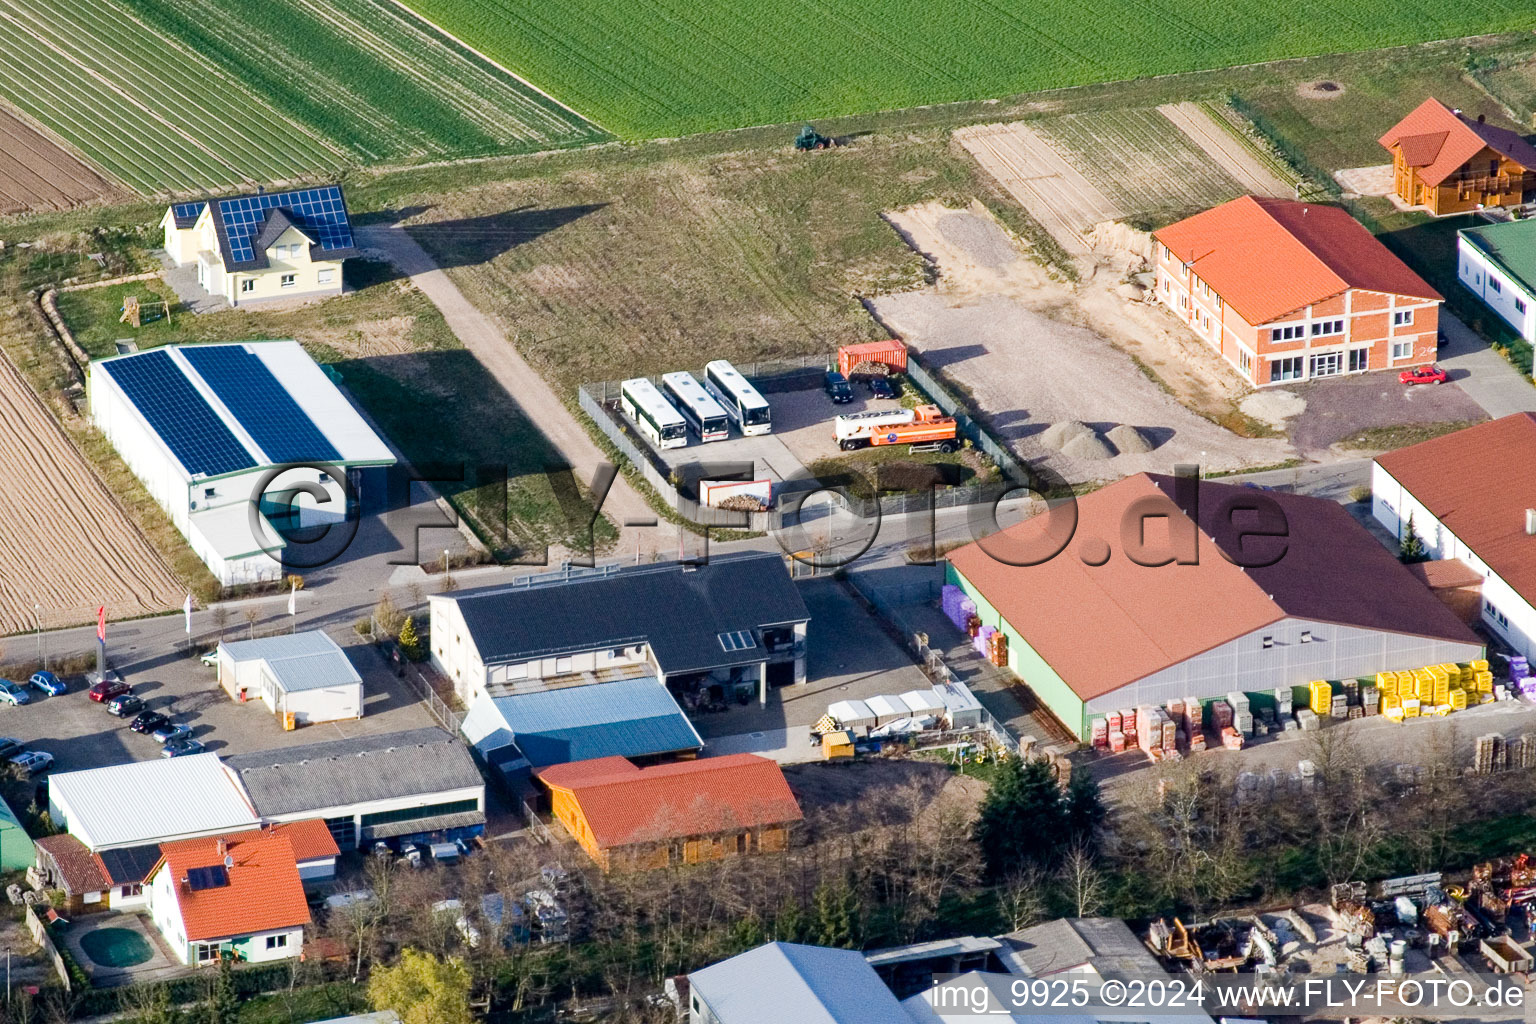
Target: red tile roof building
240,893
1289,291
1469,494
689,811
1148,603
1447,162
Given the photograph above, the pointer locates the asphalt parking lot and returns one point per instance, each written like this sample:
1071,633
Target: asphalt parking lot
82,734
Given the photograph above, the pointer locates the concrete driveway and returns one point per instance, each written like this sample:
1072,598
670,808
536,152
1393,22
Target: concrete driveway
1487,377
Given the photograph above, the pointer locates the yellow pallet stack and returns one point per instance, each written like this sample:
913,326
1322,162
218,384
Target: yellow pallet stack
1411,708
1480,665
1392,704
1458,699
1482,679
1321,695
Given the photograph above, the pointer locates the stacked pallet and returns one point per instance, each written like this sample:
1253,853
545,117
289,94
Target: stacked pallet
1242,714
957,608
1370,700
1282,701
1489,754
1321,694
1306,720
1150,731
997,648
1128,726
1525,747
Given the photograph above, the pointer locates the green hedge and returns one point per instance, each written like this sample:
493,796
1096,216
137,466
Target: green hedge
249,981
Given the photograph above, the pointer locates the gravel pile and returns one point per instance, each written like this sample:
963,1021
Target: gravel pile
1088,446
1056,436
983,241
1128,440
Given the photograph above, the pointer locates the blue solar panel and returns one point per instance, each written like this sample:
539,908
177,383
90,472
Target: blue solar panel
319,212
182,211
175,411
260,404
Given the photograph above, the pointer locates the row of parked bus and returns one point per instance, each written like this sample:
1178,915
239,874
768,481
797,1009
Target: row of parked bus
664,415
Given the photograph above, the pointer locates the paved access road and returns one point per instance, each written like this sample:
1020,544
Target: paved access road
1481,372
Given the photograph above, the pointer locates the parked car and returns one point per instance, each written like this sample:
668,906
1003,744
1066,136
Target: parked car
47,682
33,762
13,693
125,705
880,387
183,748
170,732
148,721
108,686
210,658
9,746
836,386
1424,375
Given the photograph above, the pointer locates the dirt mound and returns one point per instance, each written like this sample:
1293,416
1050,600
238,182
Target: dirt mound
981,240
1128,440
1088,446
1323,90
1057,435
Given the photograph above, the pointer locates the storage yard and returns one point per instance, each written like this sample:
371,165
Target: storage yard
69,546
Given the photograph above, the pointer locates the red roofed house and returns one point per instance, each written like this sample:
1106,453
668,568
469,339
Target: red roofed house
1448,163
1289,291
626,816
239,894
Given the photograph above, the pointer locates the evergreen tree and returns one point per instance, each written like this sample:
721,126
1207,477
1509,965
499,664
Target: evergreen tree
410,643
1413,544
223,1002
1022,820
835,917
1085,810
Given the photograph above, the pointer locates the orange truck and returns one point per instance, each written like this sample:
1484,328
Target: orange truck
924,426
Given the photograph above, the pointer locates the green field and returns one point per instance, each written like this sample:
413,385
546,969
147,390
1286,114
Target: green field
185,95
671,67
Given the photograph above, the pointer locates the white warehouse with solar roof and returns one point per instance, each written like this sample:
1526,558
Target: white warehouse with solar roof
238,443
265,246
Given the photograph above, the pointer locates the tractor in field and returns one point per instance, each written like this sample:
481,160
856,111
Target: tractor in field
809,139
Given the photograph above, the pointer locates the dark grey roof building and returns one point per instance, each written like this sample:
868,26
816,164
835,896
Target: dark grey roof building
737,619
399,786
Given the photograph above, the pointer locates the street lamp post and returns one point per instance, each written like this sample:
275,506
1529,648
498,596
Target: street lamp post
445,563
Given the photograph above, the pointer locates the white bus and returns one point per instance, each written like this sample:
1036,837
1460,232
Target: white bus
707,417
653,414
742,401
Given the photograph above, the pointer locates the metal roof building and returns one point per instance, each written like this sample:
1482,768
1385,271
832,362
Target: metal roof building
393,786
203,425
784,981
149,801
732,619
634,718
303,675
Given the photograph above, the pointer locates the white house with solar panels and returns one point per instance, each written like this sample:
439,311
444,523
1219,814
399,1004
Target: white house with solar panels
240,443
263,247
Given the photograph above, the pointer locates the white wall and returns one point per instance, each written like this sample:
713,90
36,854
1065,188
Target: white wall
1504,611
453,649
357,810
117,418
1474,270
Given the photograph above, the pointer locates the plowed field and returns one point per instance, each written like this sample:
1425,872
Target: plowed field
65,543
35,174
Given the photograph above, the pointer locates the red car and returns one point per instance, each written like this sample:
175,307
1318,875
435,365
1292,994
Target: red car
1424,375
111,685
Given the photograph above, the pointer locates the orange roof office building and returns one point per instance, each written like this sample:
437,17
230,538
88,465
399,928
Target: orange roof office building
1471,499
1104,627
1288,291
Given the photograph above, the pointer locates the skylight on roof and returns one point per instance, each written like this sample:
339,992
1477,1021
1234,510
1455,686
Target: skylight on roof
737,640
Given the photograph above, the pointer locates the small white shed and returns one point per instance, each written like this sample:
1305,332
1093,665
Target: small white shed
923,702
852,714
960,705
888,709
302,677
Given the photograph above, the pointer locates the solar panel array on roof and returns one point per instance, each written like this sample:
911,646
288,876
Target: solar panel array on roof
261,405
130,865
320,212
179,414
216,877
184,211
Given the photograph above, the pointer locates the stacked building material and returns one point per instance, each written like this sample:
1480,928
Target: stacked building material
1150,720
957,608
1128,725
1098,734
982,638
1370,700
1525,751
1321,695
1488,755
997,648
1116,741
1242,714
1307,720
1282,701
1231,738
